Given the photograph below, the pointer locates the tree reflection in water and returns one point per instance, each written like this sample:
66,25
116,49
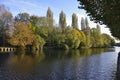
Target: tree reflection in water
58,65
64,54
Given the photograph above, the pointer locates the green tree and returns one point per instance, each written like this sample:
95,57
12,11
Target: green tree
83,27
23,17
83,39
88,37
57,39
86,22
74,21
44,31
34,20
96,38
42,22
38,22
39,43
74,38
49,17
87,32
107,40
62,21
105,12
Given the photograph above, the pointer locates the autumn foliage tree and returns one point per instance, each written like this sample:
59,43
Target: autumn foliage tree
22,35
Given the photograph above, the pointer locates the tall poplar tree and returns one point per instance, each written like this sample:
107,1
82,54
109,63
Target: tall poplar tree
49,17
74,21
87,33
86,22
82,24
62,21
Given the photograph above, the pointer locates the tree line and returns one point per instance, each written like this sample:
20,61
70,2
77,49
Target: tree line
36,32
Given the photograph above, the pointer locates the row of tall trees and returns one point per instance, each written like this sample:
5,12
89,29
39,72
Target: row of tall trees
35,32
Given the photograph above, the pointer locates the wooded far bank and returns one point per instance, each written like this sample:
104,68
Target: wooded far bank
36,32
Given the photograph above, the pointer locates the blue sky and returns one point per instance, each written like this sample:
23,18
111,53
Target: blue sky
39,8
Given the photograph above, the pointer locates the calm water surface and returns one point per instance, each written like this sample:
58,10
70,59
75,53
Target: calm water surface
90,64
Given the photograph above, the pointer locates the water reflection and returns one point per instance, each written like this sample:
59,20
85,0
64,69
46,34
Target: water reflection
60,54
86,64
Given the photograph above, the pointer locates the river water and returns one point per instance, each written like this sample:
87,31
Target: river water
88,64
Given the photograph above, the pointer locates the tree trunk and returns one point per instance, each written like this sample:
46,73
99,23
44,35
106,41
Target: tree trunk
118,67
22,48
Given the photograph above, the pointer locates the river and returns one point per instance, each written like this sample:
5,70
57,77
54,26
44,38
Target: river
86,64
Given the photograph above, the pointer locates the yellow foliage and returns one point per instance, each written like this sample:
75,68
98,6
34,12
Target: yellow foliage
74,38
22,35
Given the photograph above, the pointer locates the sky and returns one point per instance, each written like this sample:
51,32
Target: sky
39,8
